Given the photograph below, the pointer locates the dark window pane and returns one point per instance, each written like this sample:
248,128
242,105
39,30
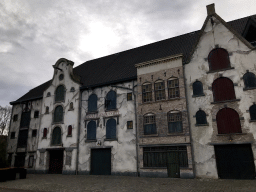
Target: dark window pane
111,129
91,130
60,93
110,102
92,103
36,114
34,132
45,132
197,88
249,80
58,114
200,117
56,136
218,59
15,117
253,112
25,119
23,137
69,130
175,122
12,135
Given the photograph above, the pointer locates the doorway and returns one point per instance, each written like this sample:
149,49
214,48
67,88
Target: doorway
56,161
101,161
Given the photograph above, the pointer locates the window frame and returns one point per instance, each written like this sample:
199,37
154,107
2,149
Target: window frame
198,83
246,86
109,99
149,124
111,129
174,87
64,94
198,118
92,129
159,90
60,136
147,95
173,117
93,103
211,68
62,120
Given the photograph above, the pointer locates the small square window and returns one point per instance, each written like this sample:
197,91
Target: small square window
129,125
34,132
129,96
12,135
36,114
15,117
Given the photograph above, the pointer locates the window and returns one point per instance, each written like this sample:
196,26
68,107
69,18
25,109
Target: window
201,118
249,80
147,92
72,89
223,89
69,130
91,130
56,136
157,156
218,59
58,114
228,121
92,103
159,90
60,93
252,110
25,119
34,133
31,161
15,117
61,77
197,88
173,88
129,125
12,135
149,124
110,102
23,138
36,114
71,106
175,122
45,133
48,94
47,110
111,129
129,96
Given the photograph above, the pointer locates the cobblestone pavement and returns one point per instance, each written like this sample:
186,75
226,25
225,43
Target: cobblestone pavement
45,182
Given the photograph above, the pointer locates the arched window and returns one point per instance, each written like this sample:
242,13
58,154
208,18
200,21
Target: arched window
249,80
146,92
149,124
223,89
228,121
173,88
56,136
197,88
201,117
92,103
175,122
60,93
253,112
159,90
111,129
47,110
45,132
91,130
69,130
71,106
58,114
110,102
218,59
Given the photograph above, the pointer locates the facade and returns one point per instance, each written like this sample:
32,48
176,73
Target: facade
181,107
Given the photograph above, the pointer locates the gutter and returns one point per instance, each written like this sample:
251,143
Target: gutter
136,130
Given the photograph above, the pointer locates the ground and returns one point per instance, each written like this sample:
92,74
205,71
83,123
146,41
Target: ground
63,183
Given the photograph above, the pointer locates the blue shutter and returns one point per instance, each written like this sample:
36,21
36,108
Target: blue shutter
197,88
56,136
249,80
92,103
58,114
111,100
253,112
60,93
200,117
91,130
111,129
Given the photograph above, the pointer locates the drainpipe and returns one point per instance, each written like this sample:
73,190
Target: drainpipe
136,130
190,132
78,131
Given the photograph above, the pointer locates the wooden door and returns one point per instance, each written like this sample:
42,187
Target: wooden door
173,166
101,161
56,162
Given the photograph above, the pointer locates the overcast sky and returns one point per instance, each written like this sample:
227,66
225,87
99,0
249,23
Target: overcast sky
34,34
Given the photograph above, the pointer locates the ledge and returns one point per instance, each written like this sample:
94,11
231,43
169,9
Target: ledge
69,135
150,135
201,125
249,88
221,70
228,134
91,112
252,121
90,141
176,134
111,110
111,139
198,95
227,101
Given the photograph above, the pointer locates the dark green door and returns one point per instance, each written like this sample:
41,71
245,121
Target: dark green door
173,167
101,161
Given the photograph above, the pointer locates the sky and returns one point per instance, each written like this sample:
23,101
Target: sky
34,34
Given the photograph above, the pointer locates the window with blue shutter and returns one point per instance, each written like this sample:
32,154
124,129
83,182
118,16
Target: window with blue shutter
110,102
249,80
197,88
58,114
56,136
92,103
149,124
91,130
253,112
175,122
201,118
111,129
60,93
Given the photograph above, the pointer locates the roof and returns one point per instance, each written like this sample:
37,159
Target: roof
120,67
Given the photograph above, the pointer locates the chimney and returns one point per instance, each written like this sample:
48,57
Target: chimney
210,9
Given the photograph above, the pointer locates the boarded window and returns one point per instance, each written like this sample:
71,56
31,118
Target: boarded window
25,119
23,138
34,133
60,93
111,129
249,80
56,136
12,135
218,59
45,132
159,90
149,124
173,88
36,114
253,112
58,114
15,117
197,88
175,122
157,156
110,102
228,121
223,89
91,130
69,130
201,118
146,93
92,103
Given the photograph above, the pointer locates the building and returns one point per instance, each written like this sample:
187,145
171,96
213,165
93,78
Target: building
181,107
